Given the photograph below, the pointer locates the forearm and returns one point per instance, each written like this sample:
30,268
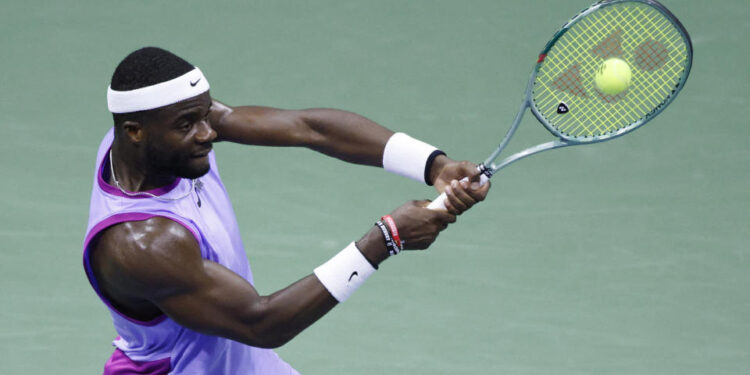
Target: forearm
336,133
347,136
280,317
224,304
356,139
291,310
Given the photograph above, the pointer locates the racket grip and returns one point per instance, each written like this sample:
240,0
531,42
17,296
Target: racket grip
439,202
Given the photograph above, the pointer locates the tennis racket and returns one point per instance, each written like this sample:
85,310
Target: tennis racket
563,92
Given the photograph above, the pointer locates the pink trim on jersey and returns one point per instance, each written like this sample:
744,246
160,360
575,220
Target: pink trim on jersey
109,189
120,364
106,223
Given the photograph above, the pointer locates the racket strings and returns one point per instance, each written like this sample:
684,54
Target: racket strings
610,47
637,33
570,81
651,55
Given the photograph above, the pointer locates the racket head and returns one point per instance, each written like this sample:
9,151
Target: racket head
643,33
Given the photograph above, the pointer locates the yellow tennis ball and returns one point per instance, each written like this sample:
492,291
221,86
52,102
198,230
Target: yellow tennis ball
613,76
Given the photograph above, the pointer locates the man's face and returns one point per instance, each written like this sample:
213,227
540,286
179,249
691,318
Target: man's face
179,138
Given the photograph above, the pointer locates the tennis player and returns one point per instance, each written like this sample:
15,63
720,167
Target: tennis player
163,248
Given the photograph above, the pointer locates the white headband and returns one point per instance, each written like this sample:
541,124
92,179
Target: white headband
186,86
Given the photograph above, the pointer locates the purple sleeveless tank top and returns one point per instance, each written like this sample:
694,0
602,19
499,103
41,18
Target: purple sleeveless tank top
162,346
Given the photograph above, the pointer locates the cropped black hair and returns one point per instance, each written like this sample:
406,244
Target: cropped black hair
148,66
145,67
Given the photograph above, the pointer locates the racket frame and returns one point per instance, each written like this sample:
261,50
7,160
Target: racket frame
489,168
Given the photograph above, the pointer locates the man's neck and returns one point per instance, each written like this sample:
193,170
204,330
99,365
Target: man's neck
133,173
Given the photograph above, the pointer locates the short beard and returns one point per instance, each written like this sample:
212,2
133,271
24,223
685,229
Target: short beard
191,173
173,164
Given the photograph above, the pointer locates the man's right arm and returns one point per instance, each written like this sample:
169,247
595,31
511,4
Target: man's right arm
158,262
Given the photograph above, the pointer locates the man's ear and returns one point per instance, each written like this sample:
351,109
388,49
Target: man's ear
134,130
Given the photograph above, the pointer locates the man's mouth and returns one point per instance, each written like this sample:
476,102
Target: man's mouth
201,154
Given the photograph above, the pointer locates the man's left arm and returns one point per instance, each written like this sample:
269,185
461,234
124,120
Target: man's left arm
343,135
340,134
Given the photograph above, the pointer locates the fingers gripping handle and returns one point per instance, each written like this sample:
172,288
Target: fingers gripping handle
439,202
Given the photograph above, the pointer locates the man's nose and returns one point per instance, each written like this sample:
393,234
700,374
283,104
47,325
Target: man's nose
205,132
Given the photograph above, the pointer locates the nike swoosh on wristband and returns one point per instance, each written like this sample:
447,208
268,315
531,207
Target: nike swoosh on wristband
355,273
192,84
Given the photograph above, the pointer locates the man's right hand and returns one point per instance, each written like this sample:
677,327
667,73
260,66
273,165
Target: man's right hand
418,227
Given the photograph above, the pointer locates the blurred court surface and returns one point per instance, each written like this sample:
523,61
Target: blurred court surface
634,261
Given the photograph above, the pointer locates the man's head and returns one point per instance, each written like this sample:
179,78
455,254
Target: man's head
160,104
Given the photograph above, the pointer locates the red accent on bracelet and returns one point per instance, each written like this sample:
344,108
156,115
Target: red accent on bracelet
394,231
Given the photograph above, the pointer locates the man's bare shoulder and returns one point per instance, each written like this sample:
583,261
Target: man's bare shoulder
139,258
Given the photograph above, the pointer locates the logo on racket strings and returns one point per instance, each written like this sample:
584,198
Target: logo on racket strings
562,108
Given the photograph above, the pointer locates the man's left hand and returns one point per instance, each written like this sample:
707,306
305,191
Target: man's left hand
446,176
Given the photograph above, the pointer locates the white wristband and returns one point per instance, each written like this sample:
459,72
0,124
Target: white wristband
345,272
408,157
